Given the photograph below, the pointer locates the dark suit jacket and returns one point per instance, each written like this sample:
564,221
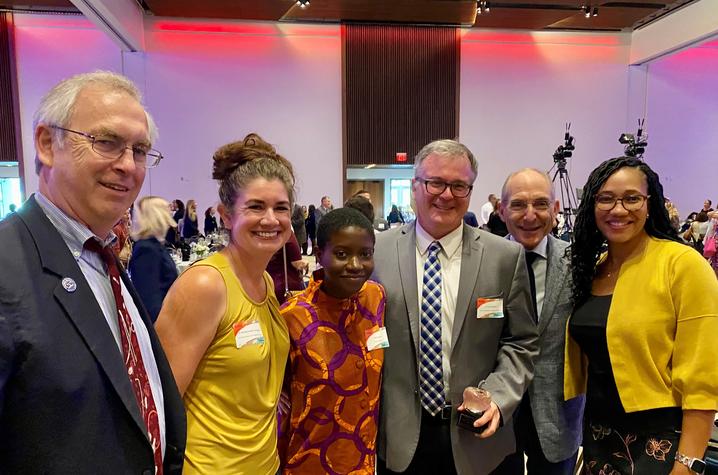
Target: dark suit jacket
497,350
66,403
152,271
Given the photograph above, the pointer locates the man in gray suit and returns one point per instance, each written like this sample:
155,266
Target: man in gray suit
458,314
548,429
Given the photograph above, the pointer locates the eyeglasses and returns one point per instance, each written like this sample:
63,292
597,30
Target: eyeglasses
520,206
437,187
629,202
112,147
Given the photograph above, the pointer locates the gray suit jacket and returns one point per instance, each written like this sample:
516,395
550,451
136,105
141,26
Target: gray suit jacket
558,422
499,351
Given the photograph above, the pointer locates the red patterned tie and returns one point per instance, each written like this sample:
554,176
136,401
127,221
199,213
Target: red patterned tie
132,355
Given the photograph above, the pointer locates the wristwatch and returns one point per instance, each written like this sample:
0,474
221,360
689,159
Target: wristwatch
694,465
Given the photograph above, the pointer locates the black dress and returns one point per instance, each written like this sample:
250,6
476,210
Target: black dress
616,442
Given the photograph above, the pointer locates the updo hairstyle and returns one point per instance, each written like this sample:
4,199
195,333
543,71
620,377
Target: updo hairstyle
236,164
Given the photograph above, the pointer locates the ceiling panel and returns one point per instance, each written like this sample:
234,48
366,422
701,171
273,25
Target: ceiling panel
508,14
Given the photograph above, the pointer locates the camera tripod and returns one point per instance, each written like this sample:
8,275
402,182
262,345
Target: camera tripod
569,203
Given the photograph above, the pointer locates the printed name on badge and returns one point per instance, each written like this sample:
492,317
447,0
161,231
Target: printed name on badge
247,333
376,337
489,308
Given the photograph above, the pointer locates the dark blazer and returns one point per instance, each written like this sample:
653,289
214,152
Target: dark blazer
190,228
499,351
152,271
210,225
66,403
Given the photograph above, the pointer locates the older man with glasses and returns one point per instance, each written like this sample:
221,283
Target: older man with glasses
84,384
458,315
548,429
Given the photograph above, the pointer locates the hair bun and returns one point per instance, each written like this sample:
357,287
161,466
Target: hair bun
233,155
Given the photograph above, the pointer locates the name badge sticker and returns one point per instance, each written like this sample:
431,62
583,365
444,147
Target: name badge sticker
376,337
247,333
489,308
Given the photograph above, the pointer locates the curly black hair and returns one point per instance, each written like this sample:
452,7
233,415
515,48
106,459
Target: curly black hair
588,242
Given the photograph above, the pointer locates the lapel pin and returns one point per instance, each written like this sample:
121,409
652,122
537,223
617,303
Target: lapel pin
69,284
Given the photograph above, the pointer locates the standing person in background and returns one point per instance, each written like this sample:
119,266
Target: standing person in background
220,323
394,216
486,210
642,335
190,225
210,222
548,429
84,383
287,269
323,209
152,269
299,227
495,224
310,224
173,235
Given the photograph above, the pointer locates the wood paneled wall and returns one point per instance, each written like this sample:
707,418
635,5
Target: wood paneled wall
400,90
9,110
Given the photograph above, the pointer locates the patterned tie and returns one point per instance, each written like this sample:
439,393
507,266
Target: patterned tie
431,380
132,355
530,258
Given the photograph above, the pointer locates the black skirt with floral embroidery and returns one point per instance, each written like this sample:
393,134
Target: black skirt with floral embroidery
615,451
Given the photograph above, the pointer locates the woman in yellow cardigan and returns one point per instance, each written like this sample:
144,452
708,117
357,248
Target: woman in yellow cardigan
641,341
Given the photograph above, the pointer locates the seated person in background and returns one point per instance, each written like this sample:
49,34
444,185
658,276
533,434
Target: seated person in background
336,330
152,269
287,269
470,219
210,222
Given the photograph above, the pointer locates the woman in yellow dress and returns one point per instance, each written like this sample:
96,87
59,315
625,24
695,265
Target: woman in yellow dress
220,324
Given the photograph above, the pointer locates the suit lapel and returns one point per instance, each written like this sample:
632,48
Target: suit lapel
471,252
555,277
80,305
406,250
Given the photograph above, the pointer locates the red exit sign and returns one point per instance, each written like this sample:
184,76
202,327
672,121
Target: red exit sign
401,156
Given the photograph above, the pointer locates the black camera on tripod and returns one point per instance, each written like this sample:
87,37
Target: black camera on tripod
564,151
635,145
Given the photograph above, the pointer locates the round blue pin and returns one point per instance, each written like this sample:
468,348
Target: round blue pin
69,284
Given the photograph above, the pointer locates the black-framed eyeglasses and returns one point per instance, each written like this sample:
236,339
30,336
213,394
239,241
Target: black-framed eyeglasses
437,187
112,147
629,202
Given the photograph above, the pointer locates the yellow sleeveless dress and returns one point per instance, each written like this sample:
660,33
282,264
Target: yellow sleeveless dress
232,400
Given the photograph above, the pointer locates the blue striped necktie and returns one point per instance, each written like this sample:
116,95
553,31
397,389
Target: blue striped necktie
431,375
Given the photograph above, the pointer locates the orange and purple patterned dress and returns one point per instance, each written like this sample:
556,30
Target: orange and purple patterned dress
335,381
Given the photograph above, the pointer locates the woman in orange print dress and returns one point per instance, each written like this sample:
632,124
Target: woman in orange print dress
336,330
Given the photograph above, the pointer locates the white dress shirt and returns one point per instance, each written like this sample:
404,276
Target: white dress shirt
450,260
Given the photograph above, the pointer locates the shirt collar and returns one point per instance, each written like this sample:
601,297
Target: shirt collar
449,243
541,248
72,231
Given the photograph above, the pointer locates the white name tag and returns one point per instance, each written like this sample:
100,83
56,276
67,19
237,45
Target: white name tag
376,337
489,308
247,333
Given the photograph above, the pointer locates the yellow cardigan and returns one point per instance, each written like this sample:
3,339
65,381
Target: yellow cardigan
662,332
